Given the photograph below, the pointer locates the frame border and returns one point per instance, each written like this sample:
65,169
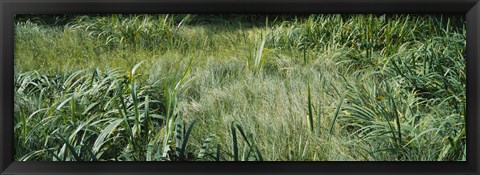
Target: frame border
9,8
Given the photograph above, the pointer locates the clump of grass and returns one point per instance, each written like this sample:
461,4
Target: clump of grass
129,31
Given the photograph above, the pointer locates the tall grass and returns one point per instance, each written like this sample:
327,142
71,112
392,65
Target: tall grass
240,87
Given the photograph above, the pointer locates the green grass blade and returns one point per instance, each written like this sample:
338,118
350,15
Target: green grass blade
179,136
185,75
100,141
310,110
89,108
90,152
259,155
186,136
205,145
319,121
123,111
64,102
399,129
235,143
336,114
146,120
217,157
243,134
70,148
135,107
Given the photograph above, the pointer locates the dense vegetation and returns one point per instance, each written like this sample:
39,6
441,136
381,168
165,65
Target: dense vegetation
240,87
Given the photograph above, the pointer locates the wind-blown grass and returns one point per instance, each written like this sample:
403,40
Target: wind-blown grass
240,87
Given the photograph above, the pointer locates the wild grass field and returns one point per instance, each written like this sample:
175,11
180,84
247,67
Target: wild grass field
189,87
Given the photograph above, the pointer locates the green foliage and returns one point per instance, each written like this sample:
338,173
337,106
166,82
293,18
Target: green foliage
239,87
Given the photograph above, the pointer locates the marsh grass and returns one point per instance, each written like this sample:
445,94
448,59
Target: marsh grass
239,87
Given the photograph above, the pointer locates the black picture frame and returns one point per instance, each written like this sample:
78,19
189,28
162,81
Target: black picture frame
9,8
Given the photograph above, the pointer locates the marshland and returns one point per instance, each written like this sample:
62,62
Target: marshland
231,87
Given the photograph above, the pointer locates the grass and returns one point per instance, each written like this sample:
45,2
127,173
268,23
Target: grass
240,87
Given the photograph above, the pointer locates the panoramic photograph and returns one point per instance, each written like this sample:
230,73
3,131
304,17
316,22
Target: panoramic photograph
240,87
